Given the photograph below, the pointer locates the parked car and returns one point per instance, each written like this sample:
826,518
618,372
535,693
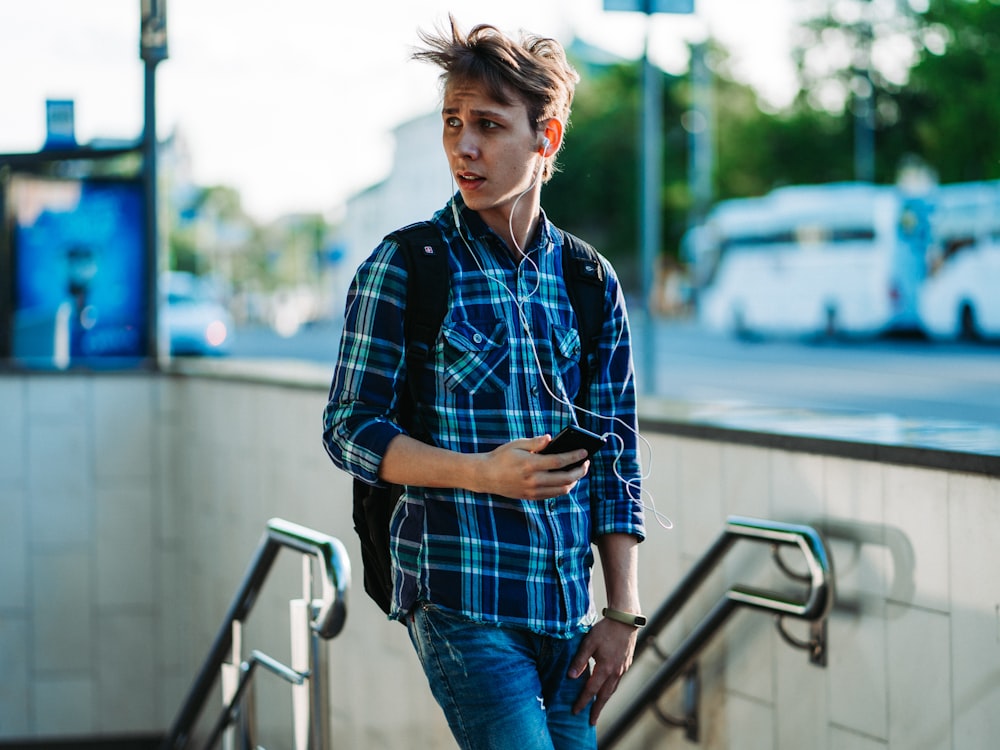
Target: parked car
195,321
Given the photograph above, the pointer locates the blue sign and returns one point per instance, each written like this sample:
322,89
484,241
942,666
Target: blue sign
60,128
651,6
80,271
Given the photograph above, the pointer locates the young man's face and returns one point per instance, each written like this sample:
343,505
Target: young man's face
492,150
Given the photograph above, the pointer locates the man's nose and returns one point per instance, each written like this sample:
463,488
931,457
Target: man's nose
467,145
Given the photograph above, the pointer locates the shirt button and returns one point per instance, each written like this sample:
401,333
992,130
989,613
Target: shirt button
534,390
478,338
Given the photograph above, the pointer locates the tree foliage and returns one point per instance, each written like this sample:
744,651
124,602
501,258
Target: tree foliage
933,75
951,105
596,192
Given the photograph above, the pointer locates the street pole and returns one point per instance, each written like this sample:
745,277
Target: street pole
651,181
864,104
650,175
152,50
702,135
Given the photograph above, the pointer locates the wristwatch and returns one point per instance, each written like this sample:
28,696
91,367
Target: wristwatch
629,618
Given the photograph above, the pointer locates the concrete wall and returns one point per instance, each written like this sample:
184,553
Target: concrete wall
132,504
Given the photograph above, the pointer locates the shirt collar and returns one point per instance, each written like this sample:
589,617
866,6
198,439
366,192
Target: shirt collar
475,228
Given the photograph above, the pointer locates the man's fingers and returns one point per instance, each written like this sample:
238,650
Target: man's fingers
601,700
599,691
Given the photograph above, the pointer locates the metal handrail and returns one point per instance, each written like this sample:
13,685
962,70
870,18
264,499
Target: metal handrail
815,606
334,574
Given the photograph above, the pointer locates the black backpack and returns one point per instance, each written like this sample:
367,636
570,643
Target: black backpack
427,283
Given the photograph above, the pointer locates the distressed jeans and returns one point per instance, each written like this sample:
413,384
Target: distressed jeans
501,688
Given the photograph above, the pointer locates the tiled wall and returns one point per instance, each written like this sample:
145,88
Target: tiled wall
79,608
131,505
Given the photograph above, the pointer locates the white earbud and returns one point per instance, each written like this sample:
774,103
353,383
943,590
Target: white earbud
545,146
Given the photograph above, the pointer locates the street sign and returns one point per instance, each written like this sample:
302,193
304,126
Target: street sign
59,124
153,30
651,6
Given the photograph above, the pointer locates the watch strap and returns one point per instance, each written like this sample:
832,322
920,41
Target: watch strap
628,618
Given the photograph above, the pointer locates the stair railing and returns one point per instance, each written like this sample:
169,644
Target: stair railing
814,607
323,618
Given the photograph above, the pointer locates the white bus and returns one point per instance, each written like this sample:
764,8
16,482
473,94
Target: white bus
842,258
961,297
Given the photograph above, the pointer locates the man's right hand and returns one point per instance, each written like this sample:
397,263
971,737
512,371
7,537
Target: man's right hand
517,469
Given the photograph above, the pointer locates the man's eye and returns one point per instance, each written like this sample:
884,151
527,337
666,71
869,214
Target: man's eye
488,125
452,122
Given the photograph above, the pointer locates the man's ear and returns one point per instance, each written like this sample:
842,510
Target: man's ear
551,137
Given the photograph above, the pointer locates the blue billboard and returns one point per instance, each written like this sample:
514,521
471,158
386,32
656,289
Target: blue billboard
80,271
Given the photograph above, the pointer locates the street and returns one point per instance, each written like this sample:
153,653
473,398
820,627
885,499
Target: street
907,378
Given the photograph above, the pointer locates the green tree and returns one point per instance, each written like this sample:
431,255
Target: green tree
596,192
951,106
852,55
757,151
933,78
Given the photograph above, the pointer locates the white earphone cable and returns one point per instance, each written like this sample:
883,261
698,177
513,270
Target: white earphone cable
633,486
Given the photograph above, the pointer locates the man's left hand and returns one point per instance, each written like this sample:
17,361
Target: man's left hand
611,645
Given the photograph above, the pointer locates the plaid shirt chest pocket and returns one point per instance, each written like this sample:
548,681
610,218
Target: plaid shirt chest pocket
567,349
476,356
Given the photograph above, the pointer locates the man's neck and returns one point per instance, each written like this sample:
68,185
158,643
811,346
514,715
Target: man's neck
525,229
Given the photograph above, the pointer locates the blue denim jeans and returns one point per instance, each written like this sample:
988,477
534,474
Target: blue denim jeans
501,688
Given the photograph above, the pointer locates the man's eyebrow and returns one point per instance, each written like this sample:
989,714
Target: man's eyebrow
489,114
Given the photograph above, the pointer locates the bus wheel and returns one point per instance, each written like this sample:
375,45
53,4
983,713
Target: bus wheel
968,330
830,328
740,329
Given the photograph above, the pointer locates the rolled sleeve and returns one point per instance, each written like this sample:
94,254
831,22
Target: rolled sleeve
360,417
616,498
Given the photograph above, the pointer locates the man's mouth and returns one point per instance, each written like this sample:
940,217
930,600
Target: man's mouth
468,178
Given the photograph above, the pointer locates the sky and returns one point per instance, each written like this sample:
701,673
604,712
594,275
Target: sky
293,103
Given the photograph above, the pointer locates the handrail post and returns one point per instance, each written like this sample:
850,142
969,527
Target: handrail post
319,692
310,712
230,673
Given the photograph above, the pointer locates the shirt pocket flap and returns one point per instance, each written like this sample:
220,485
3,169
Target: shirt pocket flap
466,336
567,341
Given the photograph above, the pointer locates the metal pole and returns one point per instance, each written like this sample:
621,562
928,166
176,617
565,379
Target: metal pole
152,50
864,105
700,164
651,179
151,226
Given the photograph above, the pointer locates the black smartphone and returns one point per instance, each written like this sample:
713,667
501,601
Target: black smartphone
572,438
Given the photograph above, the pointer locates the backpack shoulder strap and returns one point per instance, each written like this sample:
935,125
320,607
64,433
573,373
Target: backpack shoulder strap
427,282
425,255
586,280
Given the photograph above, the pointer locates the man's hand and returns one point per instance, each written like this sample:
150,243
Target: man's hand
611,645
516,469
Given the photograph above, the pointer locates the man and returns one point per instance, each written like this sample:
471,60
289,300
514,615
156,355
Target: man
491,541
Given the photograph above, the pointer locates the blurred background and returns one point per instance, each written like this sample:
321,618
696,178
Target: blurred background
801,196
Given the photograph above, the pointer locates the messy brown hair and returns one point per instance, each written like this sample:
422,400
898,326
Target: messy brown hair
533,68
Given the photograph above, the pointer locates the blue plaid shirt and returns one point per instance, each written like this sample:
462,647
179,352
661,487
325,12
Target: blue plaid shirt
491,558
